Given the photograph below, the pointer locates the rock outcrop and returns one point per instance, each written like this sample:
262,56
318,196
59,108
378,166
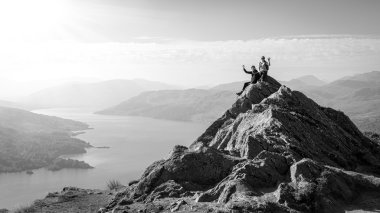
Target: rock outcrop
69,200
274,150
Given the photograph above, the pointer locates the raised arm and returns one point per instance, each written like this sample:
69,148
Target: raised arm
268,61
248,72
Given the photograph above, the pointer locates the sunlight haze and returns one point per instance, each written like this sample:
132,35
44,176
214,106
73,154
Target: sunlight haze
50,41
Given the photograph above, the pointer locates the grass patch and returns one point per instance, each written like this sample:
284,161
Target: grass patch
25,209
114,185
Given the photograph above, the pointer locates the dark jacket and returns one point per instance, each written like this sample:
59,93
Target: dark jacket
255,75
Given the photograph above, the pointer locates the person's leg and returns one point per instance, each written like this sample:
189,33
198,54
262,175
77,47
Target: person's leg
256,77
261,76
244,86
265,76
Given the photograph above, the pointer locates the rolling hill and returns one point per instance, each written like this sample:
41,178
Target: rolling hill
303,82
30,141
184,105
91,95
198,105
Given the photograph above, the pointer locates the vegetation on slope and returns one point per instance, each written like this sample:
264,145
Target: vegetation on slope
31,141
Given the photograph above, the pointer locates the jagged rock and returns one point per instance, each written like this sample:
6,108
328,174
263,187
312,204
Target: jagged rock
274,150
71,199
177,205
102,210
375,137
249,178
125,201
318,188
289,122
253,94
167,189
204,166
132,182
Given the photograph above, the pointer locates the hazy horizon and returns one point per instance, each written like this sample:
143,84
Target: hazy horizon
190,44
36,86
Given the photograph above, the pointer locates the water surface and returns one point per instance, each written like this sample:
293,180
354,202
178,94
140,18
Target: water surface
135,142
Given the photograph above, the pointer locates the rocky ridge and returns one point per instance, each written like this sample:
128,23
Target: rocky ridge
274,150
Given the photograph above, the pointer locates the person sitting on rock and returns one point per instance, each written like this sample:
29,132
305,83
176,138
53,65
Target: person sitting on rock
263,68
255,75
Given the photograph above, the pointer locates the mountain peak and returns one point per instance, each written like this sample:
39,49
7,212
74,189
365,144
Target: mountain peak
273,150
253,94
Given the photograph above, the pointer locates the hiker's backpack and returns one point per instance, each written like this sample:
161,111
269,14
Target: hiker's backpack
266,65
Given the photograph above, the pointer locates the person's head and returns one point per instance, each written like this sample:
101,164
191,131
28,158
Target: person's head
253,67
263,58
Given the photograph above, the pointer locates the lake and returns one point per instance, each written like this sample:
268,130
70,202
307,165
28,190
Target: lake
135,142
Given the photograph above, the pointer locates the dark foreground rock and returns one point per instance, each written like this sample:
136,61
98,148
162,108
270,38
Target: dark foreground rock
70,200
274,150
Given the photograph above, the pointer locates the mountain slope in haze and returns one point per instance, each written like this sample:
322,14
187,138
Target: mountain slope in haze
12,105
357,95
273,150
311,80
369,76
346,86
91,95
307,81
233,86
30,141
182,105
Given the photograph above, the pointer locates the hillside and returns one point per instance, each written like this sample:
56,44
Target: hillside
311,80
198,105
91,95
274,150
184,105
12,105
31,141
303,82
357,96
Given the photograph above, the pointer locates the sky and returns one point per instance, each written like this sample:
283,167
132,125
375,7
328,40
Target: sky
190,43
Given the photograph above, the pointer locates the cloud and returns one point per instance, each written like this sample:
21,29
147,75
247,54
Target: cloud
287,49
292,55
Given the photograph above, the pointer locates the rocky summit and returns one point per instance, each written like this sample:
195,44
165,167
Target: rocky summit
274,150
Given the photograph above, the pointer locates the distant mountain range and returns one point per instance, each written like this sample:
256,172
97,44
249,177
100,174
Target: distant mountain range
307,81
183,105
200,105
91,95
357,95
12,105
30,141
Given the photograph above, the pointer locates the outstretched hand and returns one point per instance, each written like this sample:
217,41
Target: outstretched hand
243,66
268,58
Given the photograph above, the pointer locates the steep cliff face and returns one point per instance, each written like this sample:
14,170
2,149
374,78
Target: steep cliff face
273,150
